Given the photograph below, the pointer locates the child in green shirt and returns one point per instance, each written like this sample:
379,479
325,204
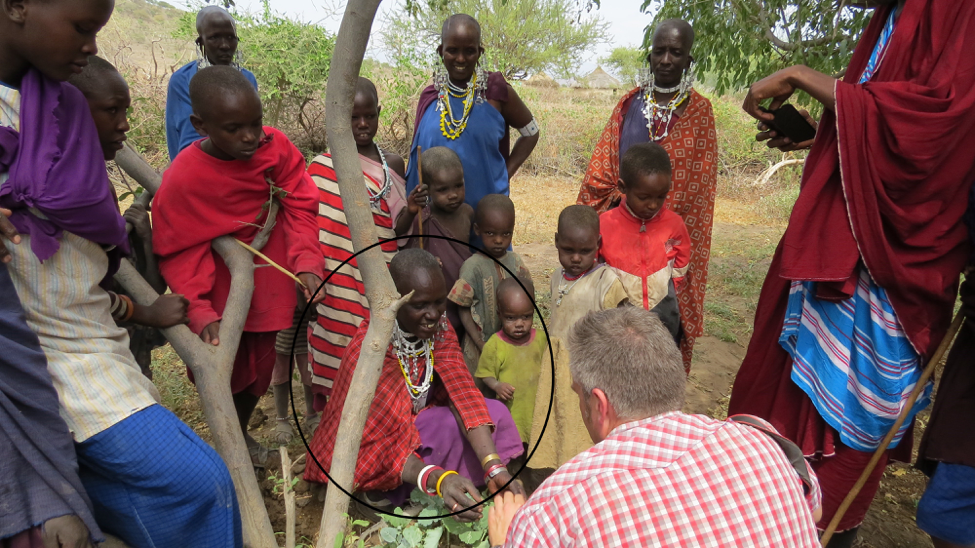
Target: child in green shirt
511,360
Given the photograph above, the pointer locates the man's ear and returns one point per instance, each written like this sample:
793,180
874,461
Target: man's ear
15,10
198,125
600,412
440,51
379,110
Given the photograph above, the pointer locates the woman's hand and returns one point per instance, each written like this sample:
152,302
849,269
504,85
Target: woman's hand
9,232
458,493
501,514
782,142
498,482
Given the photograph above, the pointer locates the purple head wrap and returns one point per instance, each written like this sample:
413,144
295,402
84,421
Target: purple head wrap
56,166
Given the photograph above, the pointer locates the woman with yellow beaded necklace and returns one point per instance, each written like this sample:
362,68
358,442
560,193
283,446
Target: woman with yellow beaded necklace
428,427
469,111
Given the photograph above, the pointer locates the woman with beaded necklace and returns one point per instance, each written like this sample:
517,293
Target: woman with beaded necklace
428,425
667,110
469,111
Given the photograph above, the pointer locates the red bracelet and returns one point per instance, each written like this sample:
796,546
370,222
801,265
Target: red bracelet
423,481
488,475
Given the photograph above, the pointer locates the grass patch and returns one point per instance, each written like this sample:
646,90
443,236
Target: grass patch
178,393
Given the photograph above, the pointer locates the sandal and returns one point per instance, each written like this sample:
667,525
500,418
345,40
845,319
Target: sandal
311,423
258,455
282,431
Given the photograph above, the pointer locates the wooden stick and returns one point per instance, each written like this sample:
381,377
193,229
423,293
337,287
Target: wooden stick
419,173
289,499
270,262
928,372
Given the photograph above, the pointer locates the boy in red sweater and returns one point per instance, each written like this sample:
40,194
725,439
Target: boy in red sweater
646,243
219,186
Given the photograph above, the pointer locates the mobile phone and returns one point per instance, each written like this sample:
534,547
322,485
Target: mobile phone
789,123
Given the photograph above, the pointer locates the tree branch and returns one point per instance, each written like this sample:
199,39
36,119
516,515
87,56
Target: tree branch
212,365
350,46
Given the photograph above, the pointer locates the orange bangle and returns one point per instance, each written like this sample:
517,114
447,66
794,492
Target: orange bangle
131,305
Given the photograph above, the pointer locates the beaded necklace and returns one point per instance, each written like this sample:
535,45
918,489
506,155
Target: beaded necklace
450,125
409,354
659,117
374,198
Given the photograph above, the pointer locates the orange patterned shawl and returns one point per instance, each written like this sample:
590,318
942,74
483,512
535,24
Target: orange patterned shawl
693,148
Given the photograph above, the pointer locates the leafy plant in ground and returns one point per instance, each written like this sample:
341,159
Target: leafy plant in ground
406,531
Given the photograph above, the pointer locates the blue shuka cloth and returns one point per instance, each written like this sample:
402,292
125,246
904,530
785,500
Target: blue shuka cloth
485,169
155,484
38,470
179,131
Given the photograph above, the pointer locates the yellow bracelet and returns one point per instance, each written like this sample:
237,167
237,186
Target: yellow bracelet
489,458
440,480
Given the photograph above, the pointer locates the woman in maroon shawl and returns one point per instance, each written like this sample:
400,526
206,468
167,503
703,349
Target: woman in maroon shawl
880,207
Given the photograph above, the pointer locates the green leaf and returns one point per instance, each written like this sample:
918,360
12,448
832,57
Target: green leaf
432,538
428,513
339,540
456,527
470,537
484,544
413,535
389,534
361,523
397,521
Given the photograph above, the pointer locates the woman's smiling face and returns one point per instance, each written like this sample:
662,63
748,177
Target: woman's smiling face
460,51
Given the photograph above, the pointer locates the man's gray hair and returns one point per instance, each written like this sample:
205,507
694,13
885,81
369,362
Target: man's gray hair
628,354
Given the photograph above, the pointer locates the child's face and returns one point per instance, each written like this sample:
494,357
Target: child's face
446,189
647,194
516,311
578,247
57,36
365,119
109,102
495,229
233,124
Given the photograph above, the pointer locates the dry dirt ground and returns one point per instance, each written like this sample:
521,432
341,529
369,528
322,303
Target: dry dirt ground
890,523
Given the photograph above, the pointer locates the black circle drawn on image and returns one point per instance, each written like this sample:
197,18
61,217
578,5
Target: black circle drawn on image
294,411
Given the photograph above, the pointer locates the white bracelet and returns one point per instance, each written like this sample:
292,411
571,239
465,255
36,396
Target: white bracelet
530,129
419,477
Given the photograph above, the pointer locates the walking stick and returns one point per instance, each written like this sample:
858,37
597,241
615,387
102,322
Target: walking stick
928,371
419,173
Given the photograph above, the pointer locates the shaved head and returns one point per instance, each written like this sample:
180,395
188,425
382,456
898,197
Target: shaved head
365,87
682,27
459,21
211,11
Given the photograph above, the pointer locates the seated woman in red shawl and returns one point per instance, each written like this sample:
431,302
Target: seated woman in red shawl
666,109
861,288
428,425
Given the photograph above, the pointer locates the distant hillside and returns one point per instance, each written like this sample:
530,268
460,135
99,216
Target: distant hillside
140,37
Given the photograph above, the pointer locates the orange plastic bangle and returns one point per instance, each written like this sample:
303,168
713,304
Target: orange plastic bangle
131,310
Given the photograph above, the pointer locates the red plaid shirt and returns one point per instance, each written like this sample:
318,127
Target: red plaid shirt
672,480
390,435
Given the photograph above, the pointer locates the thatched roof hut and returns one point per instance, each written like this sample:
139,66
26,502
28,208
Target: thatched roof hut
600,79
541,80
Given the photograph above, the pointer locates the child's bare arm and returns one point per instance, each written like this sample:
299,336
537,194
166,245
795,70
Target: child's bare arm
470,326
415,202
166,311
396,163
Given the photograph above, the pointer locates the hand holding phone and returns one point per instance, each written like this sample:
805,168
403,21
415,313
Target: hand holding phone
793,129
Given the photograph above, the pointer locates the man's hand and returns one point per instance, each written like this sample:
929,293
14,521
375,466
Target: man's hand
9,232
211,333
312,282
459,493
417,199
500,515
65,532
504,391
138,217
782,142
166,311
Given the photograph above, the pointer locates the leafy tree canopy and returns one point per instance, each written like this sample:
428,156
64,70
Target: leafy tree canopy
739,42
625,63
521,37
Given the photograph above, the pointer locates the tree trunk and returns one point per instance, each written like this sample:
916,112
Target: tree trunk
212,365
350,46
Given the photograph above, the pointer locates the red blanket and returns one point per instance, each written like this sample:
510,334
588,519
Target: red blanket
888,177
203,198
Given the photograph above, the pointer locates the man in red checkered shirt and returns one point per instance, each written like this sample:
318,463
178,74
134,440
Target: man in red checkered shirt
657,477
